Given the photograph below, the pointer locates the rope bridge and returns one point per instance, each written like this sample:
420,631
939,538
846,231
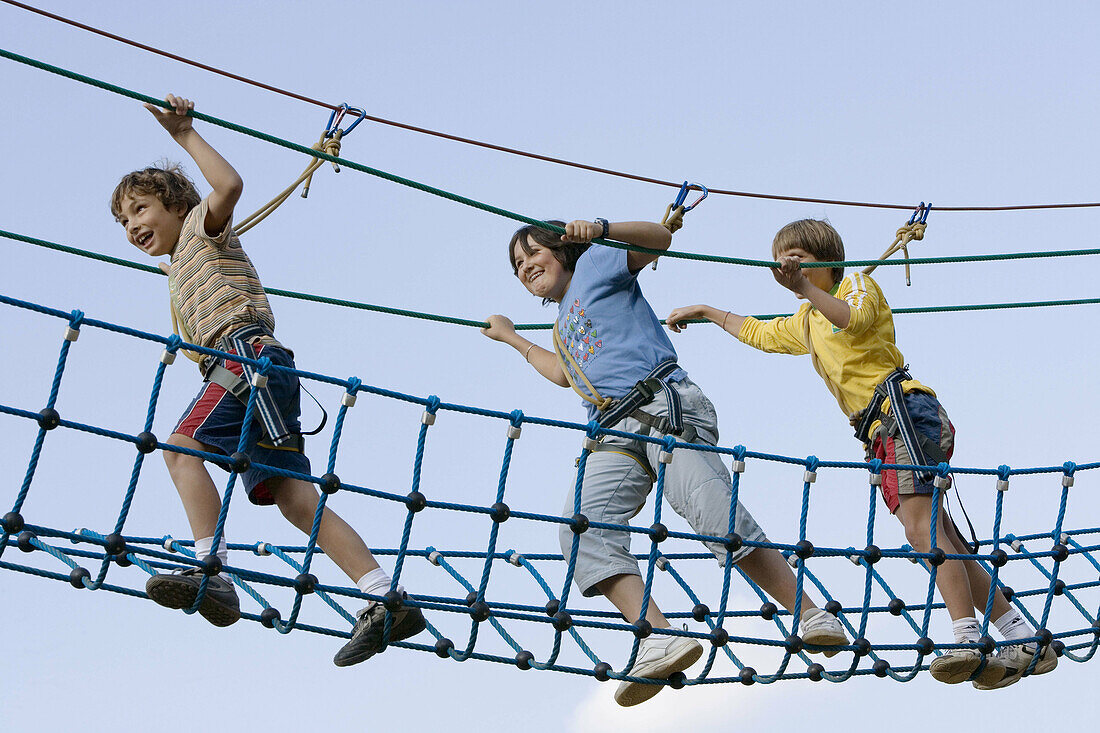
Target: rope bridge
476,620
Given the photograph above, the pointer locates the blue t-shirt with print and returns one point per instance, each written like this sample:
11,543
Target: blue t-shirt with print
607,325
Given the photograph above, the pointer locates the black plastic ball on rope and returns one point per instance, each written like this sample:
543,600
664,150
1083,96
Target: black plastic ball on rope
12,522
732,542
658,532
330,483
986,645
925,645
239,462
699,612
881,668
499,512
642,628
863,647
1007,592
270,616
998,558
562,621
677,680
392,601
768,610
747,675
1045,637
416,501
896,606
123,561
305,583
602,671
872,554
471,598
939,557
804,549
114,544
578,523
1059,587
1059,552
524,659
479,611
146,442
211,565
25,541
552,606
815,672
833,607
793,644
48,419
77,577
443,647
1058,646
719,637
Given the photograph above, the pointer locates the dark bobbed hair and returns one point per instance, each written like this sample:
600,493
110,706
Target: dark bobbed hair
567,253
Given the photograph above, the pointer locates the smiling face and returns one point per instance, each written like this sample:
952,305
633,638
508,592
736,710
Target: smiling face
540,271
150,225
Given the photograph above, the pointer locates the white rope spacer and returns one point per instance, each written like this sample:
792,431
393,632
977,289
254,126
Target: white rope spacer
809,477
434,557
259,380
854,559
71,334
1064,539
942,482
792,560
263,549
1002,485
661,563
169,544
1017,545
1067,481
876,479
664,457
168,358
737,466
514,431
428,418
348,400
516,559
590,444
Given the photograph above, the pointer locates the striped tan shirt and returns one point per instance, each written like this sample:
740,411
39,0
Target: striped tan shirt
213,285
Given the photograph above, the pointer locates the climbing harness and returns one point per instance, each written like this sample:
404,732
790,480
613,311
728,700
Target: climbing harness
922,450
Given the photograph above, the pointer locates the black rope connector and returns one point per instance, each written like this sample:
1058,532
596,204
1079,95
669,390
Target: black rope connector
998,558
793,644
393,601
732,542
471,598
499,512
479,611
804,549
48,419
524,659
1059,552
1007,592
939,557
305,583
881,668
578,523
146,442
895,606
443,647
114,544
1045,637
12,522
1058,647
872,554
833,607
863,647
415,501
719,637
925,645
25,541
123,560
602,671
211,565
677,680
700,611
767,610
239,462
986,645
77,577
642,628
1059,587
747,675
658,532
552,606
270,616
815,672
562,621
330,483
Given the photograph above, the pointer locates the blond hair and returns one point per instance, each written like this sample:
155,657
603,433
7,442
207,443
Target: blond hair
817,237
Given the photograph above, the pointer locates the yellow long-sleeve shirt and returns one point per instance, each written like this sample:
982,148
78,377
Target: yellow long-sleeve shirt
852,360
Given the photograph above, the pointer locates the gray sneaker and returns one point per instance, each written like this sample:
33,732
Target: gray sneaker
658,659
958,665
366,635
821,628
180,588
1017,658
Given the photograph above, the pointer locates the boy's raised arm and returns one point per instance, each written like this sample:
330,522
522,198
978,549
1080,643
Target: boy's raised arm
222,177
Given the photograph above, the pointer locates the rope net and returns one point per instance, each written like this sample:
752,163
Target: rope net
467,594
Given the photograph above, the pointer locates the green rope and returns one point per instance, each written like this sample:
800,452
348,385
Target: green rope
504,212
482,324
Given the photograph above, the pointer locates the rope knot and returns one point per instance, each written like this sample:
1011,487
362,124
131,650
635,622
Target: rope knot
432,404
515,417
812,463
77,319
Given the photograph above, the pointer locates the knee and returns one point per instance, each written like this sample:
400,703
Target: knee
180,461
296,501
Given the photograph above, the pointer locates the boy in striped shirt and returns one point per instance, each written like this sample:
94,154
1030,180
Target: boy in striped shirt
219,303
847,328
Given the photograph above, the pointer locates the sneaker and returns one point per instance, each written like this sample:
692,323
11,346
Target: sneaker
821,628
366,635
657,660
958,665
1017,659
180,588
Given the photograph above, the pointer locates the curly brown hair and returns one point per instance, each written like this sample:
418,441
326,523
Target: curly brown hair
815,236
166,181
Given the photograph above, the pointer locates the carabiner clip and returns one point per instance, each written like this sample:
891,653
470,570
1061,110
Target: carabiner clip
682,196
337,117
920,215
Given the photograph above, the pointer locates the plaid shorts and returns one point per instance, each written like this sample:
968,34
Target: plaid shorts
930,419
215,418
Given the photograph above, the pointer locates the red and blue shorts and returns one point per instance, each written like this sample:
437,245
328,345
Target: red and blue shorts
215,418
929,419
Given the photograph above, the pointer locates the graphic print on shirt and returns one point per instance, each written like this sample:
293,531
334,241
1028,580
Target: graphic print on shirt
579,334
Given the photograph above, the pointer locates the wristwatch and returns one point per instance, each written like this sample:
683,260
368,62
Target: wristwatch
603,223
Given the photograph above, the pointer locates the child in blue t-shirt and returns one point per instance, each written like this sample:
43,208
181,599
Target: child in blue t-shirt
608,340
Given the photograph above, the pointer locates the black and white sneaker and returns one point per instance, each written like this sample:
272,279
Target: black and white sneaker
1017,658
179,589
366,635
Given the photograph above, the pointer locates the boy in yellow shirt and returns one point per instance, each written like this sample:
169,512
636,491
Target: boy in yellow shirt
847,328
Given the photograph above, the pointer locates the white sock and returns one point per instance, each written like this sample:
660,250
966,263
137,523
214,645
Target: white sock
376,582
1013,626
966,630
203,547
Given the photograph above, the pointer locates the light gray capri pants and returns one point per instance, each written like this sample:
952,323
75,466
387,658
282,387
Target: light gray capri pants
697,486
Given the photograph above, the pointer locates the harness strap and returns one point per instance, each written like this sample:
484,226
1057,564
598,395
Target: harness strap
593,396
642,393
641,460
922,450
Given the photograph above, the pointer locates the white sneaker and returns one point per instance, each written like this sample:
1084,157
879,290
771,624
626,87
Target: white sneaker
658,658
1017,658
821,628
957,665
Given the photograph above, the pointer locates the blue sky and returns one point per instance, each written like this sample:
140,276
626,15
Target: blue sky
960,104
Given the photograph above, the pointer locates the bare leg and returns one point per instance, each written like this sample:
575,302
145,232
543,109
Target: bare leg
200,497
952,579
770,571
978,578
625,593
297,500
